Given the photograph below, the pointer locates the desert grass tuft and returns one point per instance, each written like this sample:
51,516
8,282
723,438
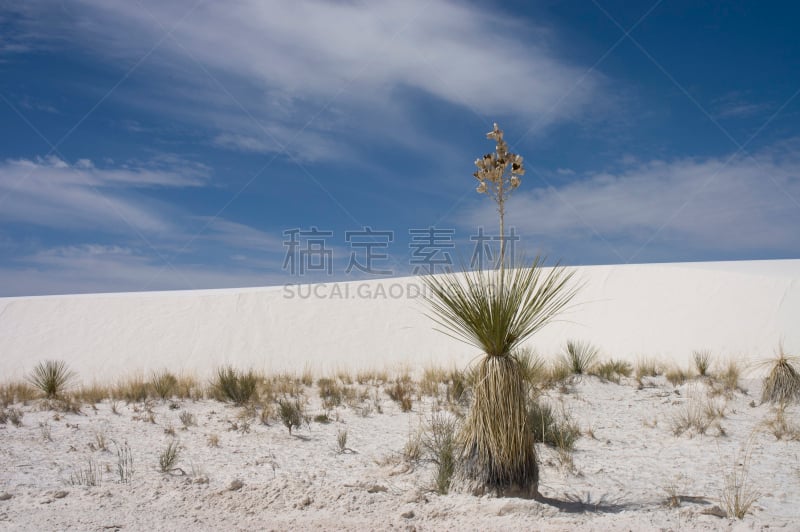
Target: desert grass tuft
401,392
782,383
676,376
164,384
702,361
132,389
16,392
169,457
738,494
439,443
579,357
235,386
612,370
557,430
51,377
647,367
86,476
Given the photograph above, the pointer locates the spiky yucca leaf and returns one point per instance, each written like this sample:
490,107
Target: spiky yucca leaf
51,377
495,311
498,309
782,384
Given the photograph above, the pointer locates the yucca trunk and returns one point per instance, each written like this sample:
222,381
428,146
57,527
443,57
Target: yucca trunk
498,452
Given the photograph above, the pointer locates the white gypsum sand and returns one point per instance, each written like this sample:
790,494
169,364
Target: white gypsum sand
623,473
740,309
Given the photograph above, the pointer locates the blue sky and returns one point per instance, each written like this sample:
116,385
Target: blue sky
155,145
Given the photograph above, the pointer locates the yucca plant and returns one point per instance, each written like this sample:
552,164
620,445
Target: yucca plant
51,377
579,357
495,311
782,384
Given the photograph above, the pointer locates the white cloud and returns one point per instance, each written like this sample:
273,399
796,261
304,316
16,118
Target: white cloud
53,193
686,204
285,62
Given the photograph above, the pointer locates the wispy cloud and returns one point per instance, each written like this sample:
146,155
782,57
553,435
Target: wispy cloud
685,204
322,65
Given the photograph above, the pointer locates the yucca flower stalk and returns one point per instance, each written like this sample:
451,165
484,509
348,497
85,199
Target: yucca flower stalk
495,311
499,174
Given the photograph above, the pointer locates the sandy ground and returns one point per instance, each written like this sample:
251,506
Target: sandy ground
264,479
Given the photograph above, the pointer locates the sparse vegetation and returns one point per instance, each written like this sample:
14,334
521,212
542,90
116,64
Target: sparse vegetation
556,430
341,440
699,414
676,376
782,383
51,377
400,392
647,367
169,457
291,412
187,419
439,442
702,361
612,370
164,384
16,392
235,386
125,469
88,476
579,357
738,494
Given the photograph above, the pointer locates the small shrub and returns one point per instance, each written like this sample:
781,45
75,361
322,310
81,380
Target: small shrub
164,384
412,450
235,386
291,413
782,384
439,442
213,440
579,357
100,441
51,377
702,361
431,379
169,457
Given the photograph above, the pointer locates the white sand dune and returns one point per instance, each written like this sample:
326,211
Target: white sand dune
740,309
623,469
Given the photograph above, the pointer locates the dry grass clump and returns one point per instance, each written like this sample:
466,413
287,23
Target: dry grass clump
132,389
16,392
676,376
699,414
86,476
164,384
235,386
781,426
702,361
331,392
738,494
401,392
14,415
372,377
51,377
559,431
438,442
93,394
169,457
579,357
647,367
782,383
612,370
432,378
532,366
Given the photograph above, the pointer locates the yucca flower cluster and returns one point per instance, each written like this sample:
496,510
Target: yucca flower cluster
501,169
499,174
